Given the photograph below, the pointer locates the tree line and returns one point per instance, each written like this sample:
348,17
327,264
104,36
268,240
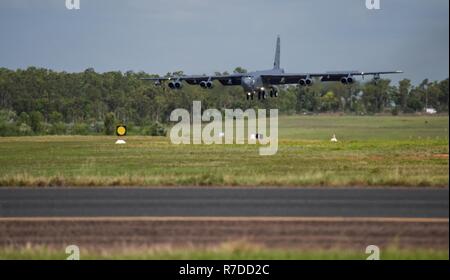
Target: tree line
38,101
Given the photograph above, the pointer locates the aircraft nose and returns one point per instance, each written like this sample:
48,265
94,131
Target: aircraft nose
249,81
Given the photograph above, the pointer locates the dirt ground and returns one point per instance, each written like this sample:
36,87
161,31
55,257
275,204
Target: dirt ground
314,233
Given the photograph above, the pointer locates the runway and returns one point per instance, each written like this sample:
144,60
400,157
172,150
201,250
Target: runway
224,202
302,218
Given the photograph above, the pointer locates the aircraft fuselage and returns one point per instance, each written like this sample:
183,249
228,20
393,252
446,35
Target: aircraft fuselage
252,82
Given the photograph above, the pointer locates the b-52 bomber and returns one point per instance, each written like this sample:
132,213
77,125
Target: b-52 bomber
262,83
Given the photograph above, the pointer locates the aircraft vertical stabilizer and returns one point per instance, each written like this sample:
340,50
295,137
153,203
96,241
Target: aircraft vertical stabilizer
276,63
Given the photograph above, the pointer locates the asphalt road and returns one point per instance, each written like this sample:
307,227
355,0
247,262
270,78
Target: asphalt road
230,202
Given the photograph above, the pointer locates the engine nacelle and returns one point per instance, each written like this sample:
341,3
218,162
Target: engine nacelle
309,81
302,82
206,84
347,80
175,85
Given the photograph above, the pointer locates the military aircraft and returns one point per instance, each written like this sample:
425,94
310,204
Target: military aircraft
264,81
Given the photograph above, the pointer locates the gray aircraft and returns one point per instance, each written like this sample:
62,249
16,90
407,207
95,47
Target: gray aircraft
264,81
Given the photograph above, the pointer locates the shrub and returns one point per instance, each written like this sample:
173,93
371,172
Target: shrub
24,129
58,128
80,129
395,111
24,118
109,123
154,129
8,128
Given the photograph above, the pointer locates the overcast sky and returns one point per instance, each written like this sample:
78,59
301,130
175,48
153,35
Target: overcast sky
204,36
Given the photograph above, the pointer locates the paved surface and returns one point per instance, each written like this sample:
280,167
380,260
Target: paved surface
128,233
224,202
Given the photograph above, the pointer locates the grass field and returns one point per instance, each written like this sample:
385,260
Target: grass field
372,151
224,252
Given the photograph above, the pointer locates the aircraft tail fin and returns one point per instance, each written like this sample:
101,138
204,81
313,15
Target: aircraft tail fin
276,63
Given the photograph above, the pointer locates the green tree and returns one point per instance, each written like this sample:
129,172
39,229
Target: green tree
443,96
239,70
376,95
37,122
55,117
415,103
329,102
404,88
24,118
110,123
64,99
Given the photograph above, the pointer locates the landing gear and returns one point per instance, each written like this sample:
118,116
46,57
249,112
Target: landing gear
273,92
262,94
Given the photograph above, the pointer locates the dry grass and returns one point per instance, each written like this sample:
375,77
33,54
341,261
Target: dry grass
372,151
238,250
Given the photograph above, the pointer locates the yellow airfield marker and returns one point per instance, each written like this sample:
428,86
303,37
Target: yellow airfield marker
121,130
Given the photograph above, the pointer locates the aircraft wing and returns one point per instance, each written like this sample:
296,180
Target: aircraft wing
294,78
226,80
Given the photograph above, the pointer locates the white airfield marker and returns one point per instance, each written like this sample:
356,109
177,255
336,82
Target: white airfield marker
334,139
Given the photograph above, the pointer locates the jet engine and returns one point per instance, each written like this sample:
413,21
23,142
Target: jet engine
302,82
347,80
206,84
306,82
175,84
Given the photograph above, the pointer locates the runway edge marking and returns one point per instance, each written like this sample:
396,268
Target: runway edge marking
218,219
